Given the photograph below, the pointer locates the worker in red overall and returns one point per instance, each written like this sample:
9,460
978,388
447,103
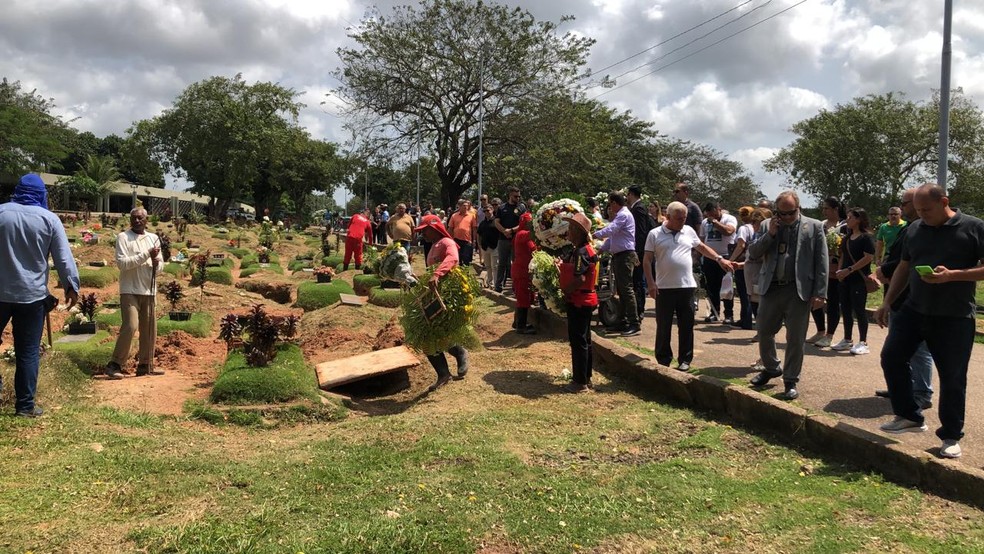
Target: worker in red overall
523,248
359,230
578,275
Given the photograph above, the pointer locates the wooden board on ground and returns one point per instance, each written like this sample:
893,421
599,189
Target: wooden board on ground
352,299
355,368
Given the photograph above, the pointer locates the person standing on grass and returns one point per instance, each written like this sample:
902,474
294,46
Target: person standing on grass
29,233
853,270
921,363
138,257
578,274
793,280
523,248
619,237
359,232
940,310
672,284
444,254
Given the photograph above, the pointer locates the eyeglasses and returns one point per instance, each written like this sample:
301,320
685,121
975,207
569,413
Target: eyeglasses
781,213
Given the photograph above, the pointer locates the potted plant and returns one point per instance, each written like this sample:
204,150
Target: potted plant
324,274
174,292
87,308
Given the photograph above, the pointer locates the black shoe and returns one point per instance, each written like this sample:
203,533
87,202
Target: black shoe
764,377
498,290
684,366
924,404
144,369
790,393
883,393
441,381
729,321
711,319
36,412
113,371
614,330
631,331
528,330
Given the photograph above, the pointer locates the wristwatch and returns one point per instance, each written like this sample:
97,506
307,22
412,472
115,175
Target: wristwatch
719,258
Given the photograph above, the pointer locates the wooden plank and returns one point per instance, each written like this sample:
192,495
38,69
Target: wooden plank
355,368
352,299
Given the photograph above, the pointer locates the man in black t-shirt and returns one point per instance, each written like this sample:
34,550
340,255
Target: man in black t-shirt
507,222
941,259
681,193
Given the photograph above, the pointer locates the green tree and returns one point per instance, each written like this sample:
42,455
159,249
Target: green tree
31,137
433,69
224,135
305,166
140,161
871,149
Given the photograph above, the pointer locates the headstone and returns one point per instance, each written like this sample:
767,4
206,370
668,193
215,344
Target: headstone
352,299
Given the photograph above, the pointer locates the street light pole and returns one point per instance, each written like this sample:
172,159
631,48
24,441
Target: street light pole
418,165
945,95
481,120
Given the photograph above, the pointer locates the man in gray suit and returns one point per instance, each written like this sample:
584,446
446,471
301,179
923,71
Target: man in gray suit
793,281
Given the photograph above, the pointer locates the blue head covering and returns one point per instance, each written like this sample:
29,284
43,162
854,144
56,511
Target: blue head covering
30,191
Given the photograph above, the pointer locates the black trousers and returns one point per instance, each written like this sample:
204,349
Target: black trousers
745,317
440,361
714,276
853,297
465,252
579,337
833,309
678,302
639,284
623,264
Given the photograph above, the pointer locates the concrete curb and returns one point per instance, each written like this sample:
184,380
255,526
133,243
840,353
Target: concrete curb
819,432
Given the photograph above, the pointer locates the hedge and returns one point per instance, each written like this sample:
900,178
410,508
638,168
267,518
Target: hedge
253,259
238,252
311,296
273,268
362,283
179,270
288,377
220,275
388,298
98,277
333,260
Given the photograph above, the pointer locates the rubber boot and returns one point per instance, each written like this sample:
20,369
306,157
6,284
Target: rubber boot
460,356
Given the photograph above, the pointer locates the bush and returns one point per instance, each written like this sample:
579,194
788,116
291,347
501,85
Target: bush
332,260
387,298
297,265
362,283
287,378
98,278
274,268
311,295
176,269
252,259
220,275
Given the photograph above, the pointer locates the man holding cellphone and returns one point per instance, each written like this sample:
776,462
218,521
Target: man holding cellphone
940,310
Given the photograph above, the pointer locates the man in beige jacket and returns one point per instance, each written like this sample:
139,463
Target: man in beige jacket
138,257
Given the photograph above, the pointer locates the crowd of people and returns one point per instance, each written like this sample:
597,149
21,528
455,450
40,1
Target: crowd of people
783,266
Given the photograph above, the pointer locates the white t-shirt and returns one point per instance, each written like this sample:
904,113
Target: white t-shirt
133,260
745,233
671,250
713,237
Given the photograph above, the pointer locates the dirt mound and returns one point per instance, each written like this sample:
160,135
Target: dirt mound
391,335
278,292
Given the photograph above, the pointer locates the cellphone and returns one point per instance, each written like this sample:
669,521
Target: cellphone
924,270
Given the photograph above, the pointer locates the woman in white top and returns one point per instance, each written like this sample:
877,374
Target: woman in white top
745,234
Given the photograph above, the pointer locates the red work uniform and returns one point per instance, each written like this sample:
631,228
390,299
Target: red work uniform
359,229
523,248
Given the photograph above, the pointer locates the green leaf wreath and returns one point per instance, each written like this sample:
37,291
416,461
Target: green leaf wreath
455,325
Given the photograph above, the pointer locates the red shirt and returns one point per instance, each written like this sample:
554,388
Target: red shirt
359,227
584,262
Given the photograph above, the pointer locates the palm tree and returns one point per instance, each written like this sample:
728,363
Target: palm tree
101,170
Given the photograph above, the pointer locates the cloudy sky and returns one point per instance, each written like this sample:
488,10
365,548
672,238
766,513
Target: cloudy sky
109,63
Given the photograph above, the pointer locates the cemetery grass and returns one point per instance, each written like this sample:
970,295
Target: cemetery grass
500,462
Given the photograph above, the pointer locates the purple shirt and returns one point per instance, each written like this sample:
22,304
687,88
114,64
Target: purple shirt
619,234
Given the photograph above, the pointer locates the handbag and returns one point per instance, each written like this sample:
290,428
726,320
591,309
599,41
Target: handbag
871,283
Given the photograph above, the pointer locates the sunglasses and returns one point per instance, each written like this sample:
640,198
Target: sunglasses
781,213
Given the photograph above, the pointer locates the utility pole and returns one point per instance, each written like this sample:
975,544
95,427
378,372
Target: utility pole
481,120
418,165
945,95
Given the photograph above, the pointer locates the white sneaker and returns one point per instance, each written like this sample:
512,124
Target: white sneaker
823,342
816,337
860,348
903,425
842,345
950,449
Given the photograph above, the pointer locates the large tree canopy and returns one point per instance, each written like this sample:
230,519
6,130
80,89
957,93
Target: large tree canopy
432,67
868,151
31,137
224,135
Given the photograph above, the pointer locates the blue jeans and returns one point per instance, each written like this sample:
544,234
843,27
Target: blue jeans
921,366
950,341
28,320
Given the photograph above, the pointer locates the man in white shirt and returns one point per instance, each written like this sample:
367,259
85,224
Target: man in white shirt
138,257
673,284
717,230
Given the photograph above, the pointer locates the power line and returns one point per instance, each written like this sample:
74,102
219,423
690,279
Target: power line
662,67
681,47
678,35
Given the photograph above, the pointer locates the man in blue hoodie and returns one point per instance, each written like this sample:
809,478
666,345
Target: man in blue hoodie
29,233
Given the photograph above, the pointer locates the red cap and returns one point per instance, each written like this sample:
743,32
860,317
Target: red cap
433,222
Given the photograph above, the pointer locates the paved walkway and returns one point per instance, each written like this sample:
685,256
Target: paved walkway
835,382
